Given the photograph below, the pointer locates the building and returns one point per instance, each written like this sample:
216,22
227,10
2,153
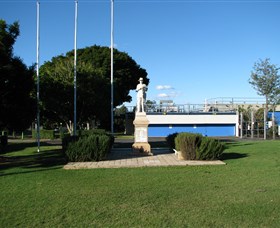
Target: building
216,117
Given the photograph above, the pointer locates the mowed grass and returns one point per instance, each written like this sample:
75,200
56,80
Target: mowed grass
37,192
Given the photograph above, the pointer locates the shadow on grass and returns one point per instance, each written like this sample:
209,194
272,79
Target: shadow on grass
25,163
18,146
232,155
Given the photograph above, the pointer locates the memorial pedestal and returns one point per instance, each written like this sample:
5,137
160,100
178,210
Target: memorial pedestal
141,144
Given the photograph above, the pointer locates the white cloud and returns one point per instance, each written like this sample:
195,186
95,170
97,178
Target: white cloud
168,95
162,95
162,87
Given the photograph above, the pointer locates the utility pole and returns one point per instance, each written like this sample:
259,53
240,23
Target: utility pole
75,70
38,76
112,66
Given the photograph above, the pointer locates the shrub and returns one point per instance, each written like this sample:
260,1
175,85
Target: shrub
188,143
195,146
44,134
66,140
209,149
170,139
88,148
3,142
83,133
91,132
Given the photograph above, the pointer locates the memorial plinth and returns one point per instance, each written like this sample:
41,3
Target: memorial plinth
141,144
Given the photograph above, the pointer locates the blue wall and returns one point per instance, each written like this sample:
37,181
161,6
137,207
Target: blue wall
162,130
276,115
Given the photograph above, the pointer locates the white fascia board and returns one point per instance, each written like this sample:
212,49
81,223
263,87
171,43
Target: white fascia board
193,119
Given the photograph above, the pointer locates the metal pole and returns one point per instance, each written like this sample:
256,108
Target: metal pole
241,124
264,122
75,69
112,66
273,123
38,77
252,124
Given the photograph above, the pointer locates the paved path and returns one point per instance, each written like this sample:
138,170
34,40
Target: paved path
124,158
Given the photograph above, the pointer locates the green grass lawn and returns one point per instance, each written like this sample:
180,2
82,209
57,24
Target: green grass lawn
37,192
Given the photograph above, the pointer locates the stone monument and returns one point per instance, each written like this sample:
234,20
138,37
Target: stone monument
141,122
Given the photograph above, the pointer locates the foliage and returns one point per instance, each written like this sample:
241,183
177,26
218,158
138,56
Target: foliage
67,139
17,102
88,148
272,132
3,142
170,139
195,146
119,119
80,148
44,134
265,79
82,133
245,111
209,149
188,143
93,85
151,105
8,35
91,132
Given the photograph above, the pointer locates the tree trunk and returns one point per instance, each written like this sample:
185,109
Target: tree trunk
265,117
273,123
69,127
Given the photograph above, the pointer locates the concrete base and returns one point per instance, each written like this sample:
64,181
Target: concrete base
142,148
141,144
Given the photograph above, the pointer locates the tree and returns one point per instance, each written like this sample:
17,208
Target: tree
93,85
120,117
17,103
151,105
266,81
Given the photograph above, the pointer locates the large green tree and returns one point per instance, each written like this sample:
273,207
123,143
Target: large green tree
17,105
93,85
266,81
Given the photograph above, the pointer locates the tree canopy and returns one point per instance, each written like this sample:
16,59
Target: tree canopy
265,80
93,85
17,105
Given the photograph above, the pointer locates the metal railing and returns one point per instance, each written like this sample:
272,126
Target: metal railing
185,108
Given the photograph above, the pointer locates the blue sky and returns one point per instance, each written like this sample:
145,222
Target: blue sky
192,50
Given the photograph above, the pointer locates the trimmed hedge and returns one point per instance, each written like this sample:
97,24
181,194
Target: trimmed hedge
188,143
91,132
209,149
82,133
3,142
196,147
170,139
66,140
44,134
88,148
92,145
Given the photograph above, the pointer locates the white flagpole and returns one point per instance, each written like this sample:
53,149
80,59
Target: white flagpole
38,77
112,66
75,68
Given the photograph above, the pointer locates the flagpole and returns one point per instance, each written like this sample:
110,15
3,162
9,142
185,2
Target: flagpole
38,77
75,68
112,66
